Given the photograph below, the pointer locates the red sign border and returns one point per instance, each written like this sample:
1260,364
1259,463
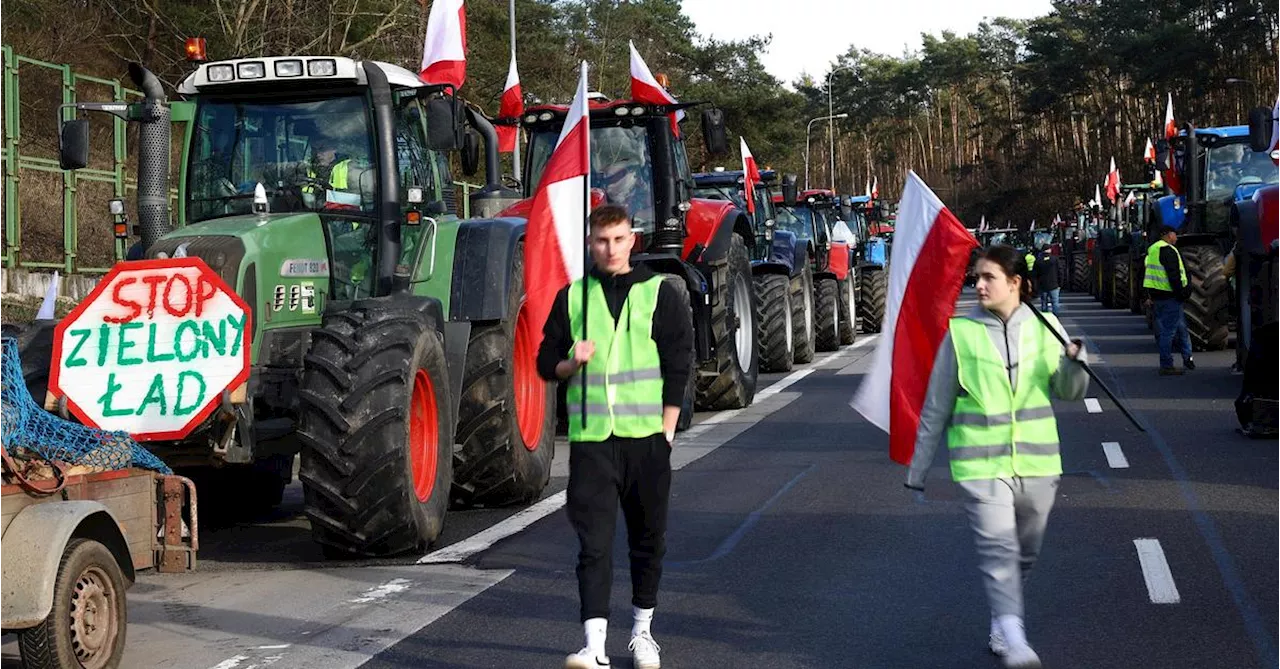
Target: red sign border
141,265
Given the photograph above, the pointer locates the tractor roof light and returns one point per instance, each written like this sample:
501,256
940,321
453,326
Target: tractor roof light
116,207
288,68
251,70
323,67
220,73
195,50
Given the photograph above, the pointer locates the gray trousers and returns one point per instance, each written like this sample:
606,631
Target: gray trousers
1008,517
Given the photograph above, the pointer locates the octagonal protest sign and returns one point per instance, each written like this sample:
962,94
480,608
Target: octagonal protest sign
151,349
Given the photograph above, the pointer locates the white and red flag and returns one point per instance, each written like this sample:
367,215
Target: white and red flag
750,175
1130,199
930,253
444,51
1170,126
875,188
1275,133
1149,153
1113,181
982,226
1170,131
645,88
557,227
868,190
512,107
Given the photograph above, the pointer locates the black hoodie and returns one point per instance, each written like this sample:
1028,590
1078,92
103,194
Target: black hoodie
672,330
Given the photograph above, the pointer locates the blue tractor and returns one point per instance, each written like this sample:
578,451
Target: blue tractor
870,260
778,256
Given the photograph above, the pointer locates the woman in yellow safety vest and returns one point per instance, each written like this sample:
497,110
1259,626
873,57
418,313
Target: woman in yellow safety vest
989,396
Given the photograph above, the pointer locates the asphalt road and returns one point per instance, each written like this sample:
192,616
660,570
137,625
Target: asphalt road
792,543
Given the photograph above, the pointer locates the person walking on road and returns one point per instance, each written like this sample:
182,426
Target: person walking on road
1165,281
989,397
1046,279
637,355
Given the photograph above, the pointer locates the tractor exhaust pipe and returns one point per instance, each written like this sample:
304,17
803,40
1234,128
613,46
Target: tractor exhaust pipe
492,163
153,157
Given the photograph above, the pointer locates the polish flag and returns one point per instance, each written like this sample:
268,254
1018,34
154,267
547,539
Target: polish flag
750,175
1097,196
875,188
645,88
1149,153
930,253
444,52
512,108
1113,181
1170,131
1275,133
1130,199
1170,126
868,191
557,227
982,225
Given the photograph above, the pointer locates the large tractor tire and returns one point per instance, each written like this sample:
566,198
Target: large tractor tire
88,622
376,427
1079,273
1206,309
506,434
828,317
733,327
802,316
776,336
35,351
875,286
1121,283
685,421
1064,273
1136,293
1106,283
848,311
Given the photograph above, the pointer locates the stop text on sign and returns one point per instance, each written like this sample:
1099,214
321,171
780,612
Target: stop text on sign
153,348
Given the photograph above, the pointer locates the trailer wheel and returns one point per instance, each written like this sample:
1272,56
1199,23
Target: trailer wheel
733,325
802,316
848,311
776,336
506,437
1120,283
828,324
86,627
376,428
1206,309
875,286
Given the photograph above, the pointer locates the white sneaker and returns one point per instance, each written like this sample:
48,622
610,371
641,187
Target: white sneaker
644,651
585,659
1020,656
997,642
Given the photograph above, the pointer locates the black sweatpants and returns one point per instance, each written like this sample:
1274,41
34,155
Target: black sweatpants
636,472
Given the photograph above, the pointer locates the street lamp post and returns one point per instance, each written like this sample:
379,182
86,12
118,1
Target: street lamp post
807,129
831,124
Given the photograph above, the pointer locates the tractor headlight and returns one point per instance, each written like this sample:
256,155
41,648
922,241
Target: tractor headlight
636,111
620,111
545,116
251,70
219,73
531,118
289,68
325,67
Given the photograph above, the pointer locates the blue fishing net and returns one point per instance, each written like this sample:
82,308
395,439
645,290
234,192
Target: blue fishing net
27,425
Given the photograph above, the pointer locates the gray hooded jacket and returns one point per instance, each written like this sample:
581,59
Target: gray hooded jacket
1069,383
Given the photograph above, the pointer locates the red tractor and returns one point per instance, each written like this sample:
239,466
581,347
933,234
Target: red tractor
638,160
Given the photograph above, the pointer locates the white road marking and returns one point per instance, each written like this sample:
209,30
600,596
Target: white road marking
1091,403
383,591
780,386
1155,570
1115,456
230,663
276,647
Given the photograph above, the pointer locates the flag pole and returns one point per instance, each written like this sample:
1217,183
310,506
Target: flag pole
586,232
1089,370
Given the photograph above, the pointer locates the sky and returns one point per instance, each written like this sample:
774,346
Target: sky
812,33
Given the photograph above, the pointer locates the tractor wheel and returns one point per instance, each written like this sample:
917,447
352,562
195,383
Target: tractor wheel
1079,273
1136,293
1120,285
682,295
35,351
733,327
87,624
828,321
774,293
376,428
848,311
875,285
802,316
1064,275
1206,309
1106,283
506,435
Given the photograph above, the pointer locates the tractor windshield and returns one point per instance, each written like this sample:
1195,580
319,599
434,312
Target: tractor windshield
621,166
1227,166
312,155
796,219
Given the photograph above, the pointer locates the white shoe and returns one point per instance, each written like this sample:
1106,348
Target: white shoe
644,651
997,642
585,659
1020,656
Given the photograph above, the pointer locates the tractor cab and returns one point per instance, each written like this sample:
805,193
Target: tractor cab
728,186
1216,167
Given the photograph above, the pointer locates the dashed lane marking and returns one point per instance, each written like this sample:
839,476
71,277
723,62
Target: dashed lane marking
1115,456
1092,405
1155,571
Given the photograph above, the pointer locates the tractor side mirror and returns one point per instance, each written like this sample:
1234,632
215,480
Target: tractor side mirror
1260,129
470,153
73,144
713,132
1162,155
789,189
444,127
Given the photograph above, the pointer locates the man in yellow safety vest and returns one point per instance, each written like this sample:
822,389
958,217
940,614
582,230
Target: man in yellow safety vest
631,333
1165,280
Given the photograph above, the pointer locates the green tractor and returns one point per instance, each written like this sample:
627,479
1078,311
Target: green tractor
389,345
